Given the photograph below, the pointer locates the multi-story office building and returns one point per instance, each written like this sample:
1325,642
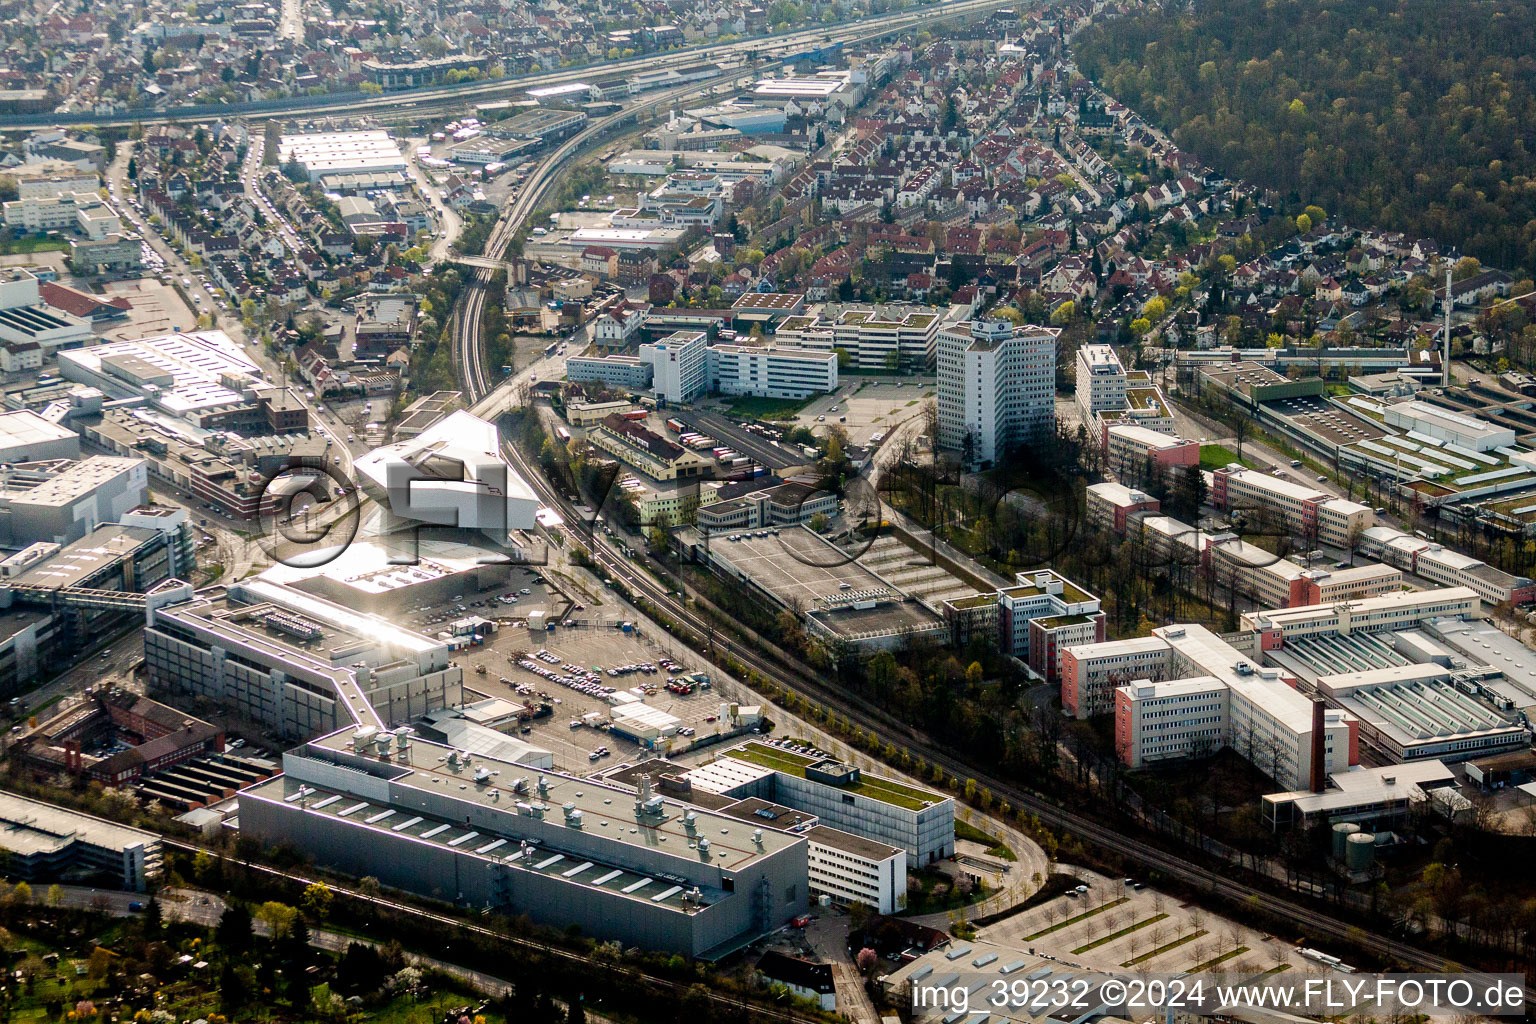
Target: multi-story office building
1303,510
1132,452
1107,506
1090,673
1100,382
851,869
1401,610
42,842
1170,720
297,664
997,388
627,866
78,211
770,371
672,369
875,337
1034,620
1442,565
679,366
788,504
630,373
1221,698
920,822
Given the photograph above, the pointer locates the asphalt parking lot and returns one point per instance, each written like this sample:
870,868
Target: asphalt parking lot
594,650
1115,925
496,603
867,407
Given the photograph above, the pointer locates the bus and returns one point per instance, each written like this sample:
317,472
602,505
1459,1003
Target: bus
562,433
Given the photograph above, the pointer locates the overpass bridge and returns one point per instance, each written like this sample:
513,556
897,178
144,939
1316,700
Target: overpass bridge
165,592
480,262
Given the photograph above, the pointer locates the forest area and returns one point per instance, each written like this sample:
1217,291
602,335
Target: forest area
1408,116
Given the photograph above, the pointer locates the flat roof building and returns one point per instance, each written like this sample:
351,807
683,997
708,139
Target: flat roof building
1376,797
42,842
1415,712
358,152
1100,381
633,867
837,596
873,335
1300,508
996,388
1414,417
1218,697
1133,452
27,437
771,371
63,500
296,663
920,822
186,375
1390,611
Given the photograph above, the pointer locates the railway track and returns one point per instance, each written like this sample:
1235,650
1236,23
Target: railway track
667,985
694,628
459,95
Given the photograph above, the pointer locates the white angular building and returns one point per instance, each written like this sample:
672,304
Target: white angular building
452,474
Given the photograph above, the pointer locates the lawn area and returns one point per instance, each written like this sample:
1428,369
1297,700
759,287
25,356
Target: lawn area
1165,947
1239,951
996,848
757,408
30,245
1215,456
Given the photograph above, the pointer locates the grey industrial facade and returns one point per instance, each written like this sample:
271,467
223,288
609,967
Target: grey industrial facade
296,663
621,865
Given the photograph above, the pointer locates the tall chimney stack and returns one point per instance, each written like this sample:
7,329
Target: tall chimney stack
1319,748
1445,357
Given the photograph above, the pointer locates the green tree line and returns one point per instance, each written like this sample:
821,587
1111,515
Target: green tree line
1410,115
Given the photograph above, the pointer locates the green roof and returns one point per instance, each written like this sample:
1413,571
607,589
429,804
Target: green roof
1058,621
873,787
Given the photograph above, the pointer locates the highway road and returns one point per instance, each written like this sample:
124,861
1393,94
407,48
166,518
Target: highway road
464,94
697,630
